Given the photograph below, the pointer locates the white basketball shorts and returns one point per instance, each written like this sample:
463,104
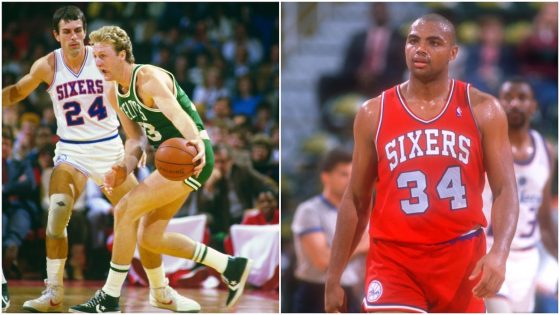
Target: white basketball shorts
93,158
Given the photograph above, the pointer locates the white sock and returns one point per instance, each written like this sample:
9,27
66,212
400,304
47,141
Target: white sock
115,280
156,276
210,257
3,278
55,271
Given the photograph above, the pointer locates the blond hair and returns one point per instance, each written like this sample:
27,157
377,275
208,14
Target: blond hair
115,36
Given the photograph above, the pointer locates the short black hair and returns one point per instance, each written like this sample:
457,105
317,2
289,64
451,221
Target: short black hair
438,18
333,158
518,79
68,13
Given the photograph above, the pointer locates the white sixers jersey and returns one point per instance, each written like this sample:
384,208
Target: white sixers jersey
82,111
531,176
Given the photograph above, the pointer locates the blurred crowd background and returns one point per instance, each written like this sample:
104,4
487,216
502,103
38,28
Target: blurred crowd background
226,58
337,55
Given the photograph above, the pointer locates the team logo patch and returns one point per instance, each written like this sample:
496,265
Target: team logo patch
61,157
374,291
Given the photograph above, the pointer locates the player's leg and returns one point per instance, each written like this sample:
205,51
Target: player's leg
390,285
449,284
522,269
151,194
153,236
151,261
66,185
161,294
153,264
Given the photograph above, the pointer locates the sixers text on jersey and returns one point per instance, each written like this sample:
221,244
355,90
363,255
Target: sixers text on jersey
436,142
79,87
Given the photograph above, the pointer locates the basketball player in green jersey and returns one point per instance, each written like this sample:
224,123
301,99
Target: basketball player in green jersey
149,98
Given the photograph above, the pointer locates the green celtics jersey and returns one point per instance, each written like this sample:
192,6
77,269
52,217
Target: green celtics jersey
156,126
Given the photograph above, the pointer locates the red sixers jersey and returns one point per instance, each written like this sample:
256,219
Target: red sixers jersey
430,172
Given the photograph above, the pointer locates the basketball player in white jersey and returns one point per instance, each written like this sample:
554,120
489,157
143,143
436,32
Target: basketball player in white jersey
533,165
89,145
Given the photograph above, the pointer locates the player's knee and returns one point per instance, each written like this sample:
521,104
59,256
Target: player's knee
148,241
60,210
119,212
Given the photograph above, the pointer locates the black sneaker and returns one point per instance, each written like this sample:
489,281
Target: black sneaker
101,302
5,297
235,276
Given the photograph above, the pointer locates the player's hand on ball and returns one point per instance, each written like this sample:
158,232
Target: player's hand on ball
493,269
116,176
200,158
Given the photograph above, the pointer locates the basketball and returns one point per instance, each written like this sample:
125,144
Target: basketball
174,159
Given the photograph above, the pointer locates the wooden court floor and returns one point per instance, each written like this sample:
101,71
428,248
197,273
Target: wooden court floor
135,299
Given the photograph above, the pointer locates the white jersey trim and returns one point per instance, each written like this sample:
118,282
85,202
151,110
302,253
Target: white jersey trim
75,122
531,158
469,103
392,307
443,111
54,73
90,141
381,110
77,75
133,87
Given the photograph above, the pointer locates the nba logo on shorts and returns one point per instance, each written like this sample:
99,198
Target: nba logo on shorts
374,291
61,157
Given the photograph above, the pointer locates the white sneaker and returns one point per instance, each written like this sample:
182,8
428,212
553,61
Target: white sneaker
167,298
50,300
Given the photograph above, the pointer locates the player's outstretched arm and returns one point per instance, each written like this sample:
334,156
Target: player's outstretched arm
133,148
549,231
158,86
356,203
41,71
498,162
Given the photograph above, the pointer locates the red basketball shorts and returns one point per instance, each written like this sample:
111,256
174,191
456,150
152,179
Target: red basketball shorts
424,278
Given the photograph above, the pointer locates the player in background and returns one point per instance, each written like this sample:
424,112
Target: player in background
149,98
424,146
534,161
313,227
88,147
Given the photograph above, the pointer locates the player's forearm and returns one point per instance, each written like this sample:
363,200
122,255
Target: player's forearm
505,212
362,246
350,224
133,150
186,126
10,95
178,117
